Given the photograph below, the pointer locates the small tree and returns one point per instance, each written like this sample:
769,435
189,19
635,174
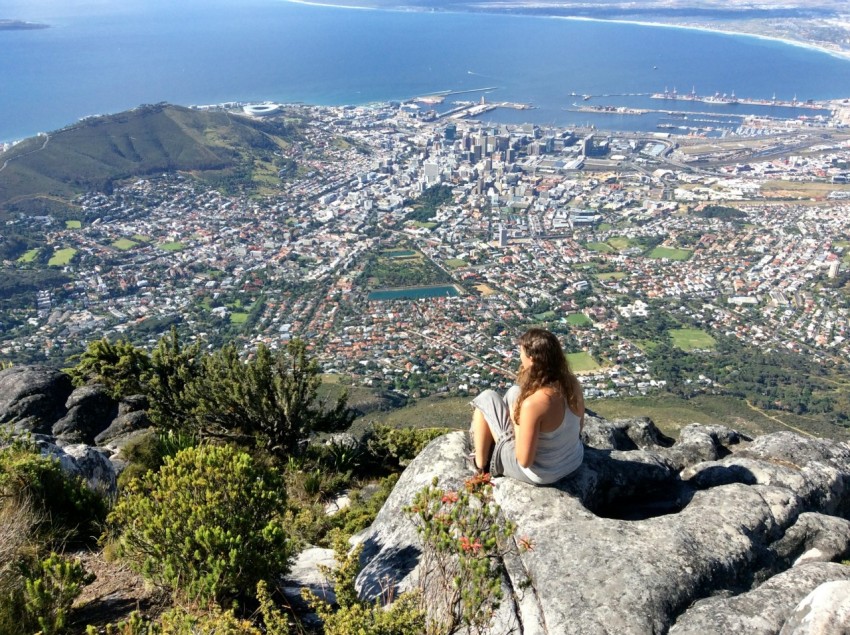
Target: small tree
119,366
208,525
173,369
271,399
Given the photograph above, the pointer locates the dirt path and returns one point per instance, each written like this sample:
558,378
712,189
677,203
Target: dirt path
779,421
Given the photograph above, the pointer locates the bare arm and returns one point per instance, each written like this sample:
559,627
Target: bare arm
579,405
530,414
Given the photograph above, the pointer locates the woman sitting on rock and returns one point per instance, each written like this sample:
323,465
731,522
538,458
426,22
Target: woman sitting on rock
532,434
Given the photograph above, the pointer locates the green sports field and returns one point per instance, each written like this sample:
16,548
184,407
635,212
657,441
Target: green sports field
29,256
62,257
670,253
603,248
692,339
124,244
581,362
578,319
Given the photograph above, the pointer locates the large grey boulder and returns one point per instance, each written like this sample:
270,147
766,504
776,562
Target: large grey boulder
32,398
88,463
824,611
766,609
637,537
123,425
90,411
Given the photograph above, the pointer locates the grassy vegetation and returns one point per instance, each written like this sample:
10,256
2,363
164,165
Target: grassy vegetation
603,248
670,253
431,412
383,271
29,256
425,225
581,362
800,189
73,224
124,244
578,319
619,242
692,339
140,238
546,316
611,275
62,257
173,246
400,252
671,414
455,263
238,318
604,227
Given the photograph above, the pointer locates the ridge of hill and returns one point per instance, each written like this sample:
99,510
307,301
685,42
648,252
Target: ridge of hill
42,174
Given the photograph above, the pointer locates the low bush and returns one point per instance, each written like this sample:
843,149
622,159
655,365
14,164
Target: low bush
148,452
394,448
212,621
402,617
50,591
66,509
464,538
207,525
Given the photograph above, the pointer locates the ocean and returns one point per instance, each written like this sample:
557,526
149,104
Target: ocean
100,56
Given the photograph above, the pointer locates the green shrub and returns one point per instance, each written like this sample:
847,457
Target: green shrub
362,512
147,452
207,525
67,510
270,400
119,366
212,621
395,448
464,539
402,617
51,590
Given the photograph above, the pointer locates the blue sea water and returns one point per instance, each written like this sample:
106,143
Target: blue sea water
102,56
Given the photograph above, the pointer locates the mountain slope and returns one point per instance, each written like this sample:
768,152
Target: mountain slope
42,172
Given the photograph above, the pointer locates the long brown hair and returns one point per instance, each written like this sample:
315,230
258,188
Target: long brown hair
549,368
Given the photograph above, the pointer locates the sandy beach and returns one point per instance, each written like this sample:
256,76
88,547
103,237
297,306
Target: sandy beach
517,10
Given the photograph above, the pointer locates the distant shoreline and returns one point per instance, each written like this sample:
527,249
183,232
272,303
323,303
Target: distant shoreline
649,23
21,25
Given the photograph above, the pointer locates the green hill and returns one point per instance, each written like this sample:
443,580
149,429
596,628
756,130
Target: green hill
42,174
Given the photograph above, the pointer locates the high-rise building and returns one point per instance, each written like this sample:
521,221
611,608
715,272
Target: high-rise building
503,236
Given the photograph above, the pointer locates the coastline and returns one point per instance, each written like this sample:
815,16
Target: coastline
844,55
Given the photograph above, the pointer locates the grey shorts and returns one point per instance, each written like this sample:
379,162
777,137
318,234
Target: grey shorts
496,410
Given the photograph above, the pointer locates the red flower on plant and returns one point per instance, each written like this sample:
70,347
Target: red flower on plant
470,545
450,497
477,481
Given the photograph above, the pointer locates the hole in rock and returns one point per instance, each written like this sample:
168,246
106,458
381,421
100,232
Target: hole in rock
648,503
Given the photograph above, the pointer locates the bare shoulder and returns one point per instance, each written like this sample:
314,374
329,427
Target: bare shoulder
537,401
578,398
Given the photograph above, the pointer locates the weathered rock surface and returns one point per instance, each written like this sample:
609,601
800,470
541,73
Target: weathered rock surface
123,424
824,611
89,463
646,533
32,398
90,411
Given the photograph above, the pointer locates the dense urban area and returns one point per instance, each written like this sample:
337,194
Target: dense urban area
409,250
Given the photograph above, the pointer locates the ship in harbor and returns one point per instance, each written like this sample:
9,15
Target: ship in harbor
732,99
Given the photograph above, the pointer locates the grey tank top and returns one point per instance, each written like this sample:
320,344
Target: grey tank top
559,452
